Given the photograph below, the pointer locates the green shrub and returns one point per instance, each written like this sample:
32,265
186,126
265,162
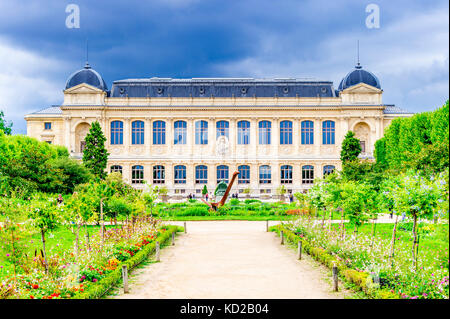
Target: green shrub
194,211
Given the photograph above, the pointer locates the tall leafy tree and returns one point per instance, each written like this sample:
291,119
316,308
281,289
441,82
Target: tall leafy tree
350,148
4,125
95,155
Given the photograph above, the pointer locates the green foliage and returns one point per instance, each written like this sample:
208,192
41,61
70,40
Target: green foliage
27,166
419,142
5,127
71,174
118,206
204,190
95,155
351,147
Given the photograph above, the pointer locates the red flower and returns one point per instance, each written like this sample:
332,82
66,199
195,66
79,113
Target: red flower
35,286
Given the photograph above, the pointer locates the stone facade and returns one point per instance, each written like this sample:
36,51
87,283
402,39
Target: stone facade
358,108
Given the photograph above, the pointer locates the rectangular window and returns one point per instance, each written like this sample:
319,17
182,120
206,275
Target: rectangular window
48,125
307,132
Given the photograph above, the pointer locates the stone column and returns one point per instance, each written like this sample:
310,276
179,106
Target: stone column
254,138
148,135
296,136
190,135
169,134
275,172
317,136
254,178
126,136
275,138
169,175
233,137
190,178
211,136
67,129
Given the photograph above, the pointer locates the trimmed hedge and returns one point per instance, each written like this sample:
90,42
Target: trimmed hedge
100,288
361,280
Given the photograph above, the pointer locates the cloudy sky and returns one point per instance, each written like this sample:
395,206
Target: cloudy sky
409,52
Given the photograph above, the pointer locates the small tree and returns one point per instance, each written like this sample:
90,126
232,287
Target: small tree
350,148
95,155
204,190
44,217
418,197
4,125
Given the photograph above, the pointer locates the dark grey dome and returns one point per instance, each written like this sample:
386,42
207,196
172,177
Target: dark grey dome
359,75
86,75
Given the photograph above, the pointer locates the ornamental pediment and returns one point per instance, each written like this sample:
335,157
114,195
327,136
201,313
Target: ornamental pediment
361,88
83,88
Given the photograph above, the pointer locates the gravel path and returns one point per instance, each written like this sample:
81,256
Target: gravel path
230,259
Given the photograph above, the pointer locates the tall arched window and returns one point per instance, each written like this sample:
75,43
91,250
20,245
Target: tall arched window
222,173
158,174
328,131
201,174
307,174
116,132
286,174
180,174
307,132
159,132
244,174
201,132
137,174
285,132
180,132
264,132
328,169
137,132
243,132
116,169
222,129
265,174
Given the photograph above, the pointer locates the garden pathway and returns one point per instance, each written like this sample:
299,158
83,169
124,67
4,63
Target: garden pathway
230,259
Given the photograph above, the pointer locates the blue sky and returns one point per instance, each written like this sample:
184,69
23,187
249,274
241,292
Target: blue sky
209,38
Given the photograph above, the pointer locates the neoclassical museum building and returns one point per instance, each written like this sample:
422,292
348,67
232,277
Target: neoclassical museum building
187,133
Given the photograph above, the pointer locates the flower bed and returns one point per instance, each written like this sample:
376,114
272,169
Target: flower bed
87,272
361,258
362,280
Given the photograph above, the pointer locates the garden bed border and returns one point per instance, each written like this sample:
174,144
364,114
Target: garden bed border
102,287
361,280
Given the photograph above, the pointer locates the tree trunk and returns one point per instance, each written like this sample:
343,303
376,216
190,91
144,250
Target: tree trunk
374,226
87,237
342,224
331,216
44,251
415,239
355,230
393,240
14,257
323,217
102,223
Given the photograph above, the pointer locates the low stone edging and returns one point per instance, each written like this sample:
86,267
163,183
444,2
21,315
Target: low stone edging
362,280
112,279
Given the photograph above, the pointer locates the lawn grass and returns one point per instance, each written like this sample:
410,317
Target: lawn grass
226,217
